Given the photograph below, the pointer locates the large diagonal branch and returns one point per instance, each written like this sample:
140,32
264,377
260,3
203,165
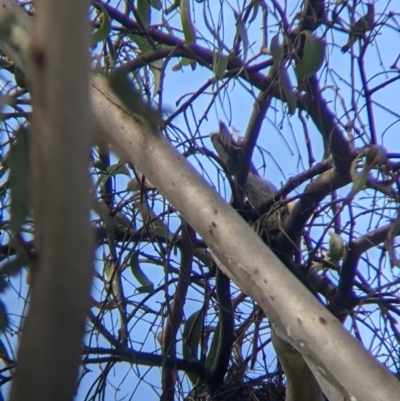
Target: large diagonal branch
306,324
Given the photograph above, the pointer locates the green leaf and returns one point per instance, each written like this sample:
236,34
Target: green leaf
145,289
118,168
124,221
220,63
313,55
3,317
183,62
191,340
109,269
337,248
276,50
286,84
111,275
4,354
133,100
189,30
20,78
101,34
290,94
359,178
112,53
155,66
377,154
157,4
158,227
255,5
19,179
212,353
144,10
173,6
133,185
13,267
147,285
242,34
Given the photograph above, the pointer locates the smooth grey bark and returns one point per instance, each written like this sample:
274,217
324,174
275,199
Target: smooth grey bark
50,349
306,324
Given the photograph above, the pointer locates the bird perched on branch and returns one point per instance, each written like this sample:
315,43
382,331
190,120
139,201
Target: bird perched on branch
258,189
358,30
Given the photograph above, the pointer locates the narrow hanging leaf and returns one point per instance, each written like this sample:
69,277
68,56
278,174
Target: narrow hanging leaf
359,178
118,168
144,10
183,62
157,4
13,267
3,317
287,87
173,6
376,155
147,285
124,221
158,227
155,66
242,34
133,185
337,248
189,30
20,78
4,355
220,63
276,51
286,84
191,340
255,5
313,55
18,179
133,100
101,34
112,53
212,353
111,275
109,269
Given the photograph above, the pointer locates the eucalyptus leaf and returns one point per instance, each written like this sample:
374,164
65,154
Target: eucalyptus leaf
158,227
377,154
4,322
147,285
189,30
313,55
173,6
212,353
18,179
133,100
191,340
255,5
101,33
241,31
157,4
118,168
337,248
286,84
20,78
220,63
144,10
359,179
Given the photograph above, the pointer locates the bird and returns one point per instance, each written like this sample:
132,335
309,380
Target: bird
362,25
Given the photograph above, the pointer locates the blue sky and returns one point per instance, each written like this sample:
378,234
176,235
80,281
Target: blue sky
282,140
